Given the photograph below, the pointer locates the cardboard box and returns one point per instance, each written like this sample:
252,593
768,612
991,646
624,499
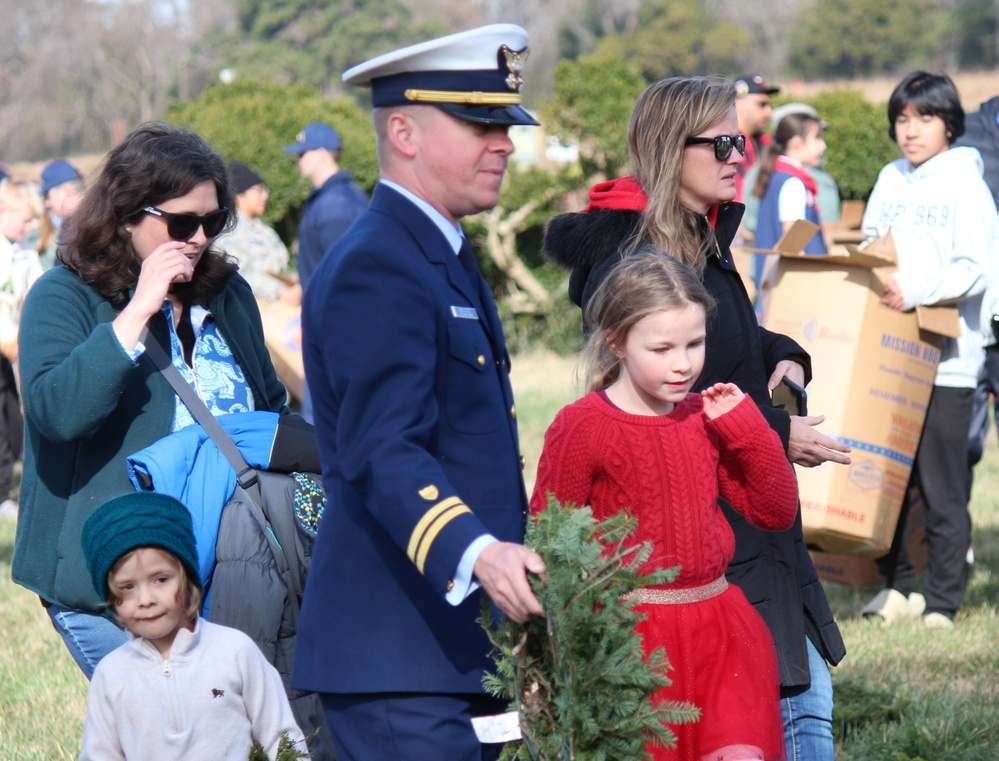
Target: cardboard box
860,571
873,370
283,336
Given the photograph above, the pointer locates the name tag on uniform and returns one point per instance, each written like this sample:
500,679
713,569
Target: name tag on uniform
465,313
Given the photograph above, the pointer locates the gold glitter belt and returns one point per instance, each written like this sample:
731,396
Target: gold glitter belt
678,596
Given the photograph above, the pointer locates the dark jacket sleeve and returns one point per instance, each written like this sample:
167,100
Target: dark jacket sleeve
777,347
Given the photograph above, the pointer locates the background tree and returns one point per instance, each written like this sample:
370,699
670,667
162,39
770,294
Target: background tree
314,41
75,72
972,31
592,100
857,38
252,121
674,37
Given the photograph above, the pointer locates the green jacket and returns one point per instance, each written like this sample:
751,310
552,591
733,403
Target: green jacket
87,406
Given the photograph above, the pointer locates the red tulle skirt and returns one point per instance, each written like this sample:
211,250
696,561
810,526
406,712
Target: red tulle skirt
724,662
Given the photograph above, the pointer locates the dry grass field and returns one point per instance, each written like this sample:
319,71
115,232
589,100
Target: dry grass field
975,87
949,680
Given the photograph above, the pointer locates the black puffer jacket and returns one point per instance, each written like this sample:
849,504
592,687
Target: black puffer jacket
772,568
982,132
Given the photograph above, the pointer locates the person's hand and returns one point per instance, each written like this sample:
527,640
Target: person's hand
165,266
502,570
9,350
720,398
807,447
789,369
891,295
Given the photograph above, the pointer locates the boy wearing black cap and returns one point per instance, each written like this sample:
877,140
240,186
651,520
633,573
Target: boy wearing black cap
181,688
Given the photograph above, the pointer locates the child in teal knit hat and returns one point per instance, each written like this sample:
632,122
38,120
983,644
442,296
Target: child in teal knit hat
181,687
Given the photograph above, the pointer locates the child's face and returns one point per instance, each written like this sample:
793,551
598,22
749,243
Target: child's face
920,137
662,356
812,145
15,223
150,604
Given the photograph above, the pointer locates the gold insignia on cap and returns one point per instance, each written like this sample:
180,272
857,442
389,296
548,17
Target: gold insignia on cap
429,493
515,65
741,88
463,98
300,137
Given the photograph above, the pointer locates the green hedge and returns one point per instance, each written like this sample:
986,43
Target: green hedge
251,121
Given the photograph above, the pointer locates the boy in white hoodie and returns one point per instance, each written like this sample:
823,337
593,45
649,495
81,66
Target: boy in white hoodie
943,222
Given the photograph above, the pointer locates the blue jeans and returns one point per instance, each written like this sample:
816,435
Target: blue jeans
88,636
808,713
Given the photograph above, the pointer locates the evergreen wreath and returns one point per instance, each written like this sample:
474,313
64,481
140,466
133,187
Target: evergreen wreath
578,677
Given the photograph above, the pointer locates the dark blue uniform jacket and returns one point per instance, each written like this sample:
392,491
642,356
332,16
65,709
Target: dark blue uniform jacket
417,433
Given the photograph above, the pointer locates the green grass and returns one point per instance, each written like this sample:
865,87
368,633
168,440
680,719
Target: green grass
949,680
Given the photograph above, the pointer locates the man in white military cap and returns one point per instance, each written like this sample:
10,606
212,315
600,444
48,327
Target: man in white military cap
417,427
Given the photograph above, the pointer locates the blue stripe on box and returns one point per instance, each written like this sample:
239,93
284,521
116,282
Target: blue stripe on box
865,446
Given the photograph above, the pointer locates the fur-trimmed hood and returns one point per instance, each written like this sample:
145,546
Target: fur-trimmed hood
587,242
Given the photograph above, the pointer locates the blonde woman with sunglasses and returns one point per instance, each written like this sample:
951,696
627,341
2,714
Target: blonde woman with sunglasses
686,149
140,253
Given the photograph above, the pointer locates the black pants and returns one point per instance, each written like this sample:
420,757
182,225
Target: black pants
11,427
941,472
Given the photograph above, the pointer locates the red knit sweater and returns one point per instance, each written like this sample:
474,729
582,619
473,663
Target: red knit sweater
669,470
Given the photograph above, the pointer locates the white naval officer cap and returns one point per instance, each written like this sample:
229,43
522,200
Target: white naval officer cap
474,75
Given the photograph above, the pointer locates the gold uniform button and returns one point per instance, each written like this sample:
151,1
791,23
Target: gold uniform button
523,462
481,360
450,584
513,411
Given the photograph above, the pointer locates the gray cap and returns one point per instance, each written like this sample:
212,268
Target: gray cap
794,108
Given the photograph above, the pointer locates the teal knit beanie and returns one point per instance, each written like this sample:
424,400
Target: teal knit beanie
139,519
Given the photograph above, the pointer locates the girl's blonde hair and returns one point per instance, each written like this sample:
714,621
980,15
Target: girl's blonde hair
18,194
665,115
645,282
189,595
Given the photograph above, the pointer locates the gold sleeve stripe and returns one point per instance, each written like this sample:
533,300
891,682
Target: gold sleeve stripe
435,528
469,98
425,521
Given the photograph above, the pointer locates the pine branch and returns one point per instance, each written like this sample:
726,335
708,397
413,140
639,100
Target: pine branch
578,677
287,750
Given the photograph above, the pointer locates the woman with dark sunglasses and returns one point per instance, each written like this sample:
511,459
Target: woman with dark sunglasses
685,146
140,254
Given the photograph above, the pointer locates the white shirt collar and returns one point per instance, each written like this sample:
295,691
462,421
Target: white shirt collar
453,234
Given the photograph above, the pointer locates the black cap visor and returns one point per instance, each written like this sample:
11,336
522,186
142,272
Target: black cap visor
508,116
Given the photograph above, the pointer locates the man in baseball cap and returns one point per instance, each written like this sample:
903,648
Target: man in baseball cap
332,205
405,356
753,108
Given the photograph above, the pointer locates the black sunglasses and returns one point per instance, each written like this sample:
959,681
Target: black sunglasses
183,226
723,144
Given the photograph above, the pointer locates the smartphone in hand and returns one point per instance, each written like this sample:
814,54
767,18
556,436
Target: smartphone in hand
791,397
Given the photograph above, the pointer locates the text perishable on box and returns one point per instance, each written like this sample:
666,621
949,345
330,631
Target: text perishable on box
873,370
861,571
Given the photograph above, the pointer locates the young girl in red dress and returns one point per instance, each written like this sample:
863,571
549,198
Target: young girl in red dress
640,441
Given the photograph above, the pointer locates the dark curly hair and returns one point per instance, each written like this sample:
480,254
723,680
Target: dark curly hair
154,163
